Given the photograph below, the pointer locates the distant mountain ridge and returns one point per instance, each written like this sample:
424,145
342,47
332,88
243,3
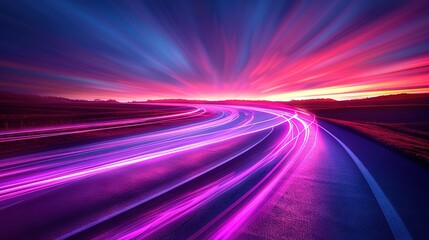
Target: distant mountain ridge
403,98
17,97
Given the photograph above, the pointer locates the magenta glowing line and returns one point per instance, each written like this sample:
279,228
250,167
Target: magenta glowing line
289,129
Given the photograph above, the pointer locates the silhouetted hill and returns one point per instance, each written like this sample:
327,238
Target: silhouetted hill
396,99
27,99
388,100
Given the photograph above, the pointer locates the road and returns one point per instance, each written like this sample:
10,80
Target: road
246,172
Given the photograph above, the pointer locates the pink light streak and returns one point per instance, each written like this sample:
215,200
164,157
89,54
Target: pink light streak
24,178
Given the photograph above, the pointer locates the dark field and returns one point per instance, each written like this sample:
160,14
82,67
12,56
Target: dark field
32,112
23,111
400,121
97,169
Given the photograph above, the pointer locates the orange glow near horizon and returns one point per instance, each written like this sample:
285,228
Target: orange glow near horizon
339,50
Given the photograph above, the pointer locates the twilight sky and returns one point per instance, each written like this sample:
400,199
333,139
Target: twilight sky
275,50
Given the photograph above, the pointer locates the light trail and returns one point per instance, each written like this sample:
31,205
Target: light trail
207,177
19,135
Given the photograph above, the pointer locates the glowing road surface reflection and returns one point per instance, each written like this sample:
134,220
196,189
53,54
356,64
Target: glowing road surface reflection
212,177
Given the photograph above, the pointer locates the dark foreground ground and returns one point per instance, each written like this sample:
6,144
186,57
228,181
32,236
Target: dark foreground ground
110,172
399,121
88,121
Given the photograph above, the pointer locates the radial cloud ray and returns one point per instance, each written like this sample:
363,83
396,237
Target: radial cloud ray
274,50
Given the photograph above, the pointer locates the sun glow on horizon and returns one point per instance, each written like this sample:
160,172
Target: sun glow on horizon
270,51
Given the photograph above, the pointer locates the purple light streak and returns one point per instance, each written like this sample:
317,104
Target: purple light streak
160,162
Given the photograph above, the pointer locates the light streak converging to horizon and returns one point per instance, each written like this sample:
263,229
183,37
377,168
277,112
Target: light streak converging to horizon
171,119
217,154
196,171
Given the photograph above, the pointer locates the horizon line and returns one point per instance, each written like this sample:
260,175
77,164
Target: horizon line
207,100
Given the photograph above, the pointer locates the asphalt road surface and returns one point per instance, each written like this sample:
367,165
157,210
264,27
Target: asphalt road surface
241,172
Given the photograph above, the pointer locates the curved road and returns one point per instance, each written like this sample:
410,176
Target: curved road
234,172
